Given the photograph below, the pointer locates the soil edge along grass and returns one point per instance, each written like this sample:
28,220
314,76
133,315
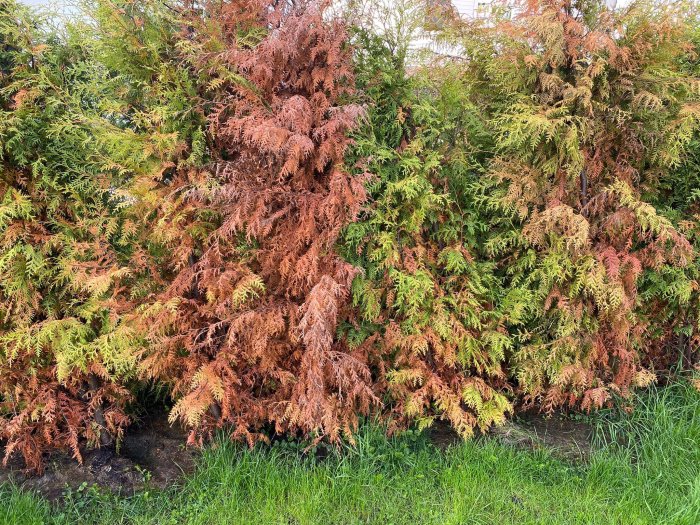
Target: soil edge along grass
646,471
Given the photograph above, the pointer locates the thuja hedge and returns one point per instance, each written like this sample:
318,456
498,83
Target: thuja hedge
277,216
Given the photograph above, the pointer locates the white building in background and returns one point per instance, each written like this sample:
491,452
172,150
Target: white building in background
423,40
61,8
479,8
472,8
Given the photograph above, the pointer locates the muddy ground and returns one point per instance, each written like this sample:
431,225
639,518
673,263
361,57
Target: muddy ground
566,438
153,454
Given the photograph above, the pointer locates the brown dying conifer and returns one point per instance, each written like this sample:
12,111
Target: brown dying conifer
246,331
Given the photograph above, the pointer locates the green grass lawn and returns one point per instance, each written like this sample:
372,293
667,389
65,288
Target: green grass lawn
650,476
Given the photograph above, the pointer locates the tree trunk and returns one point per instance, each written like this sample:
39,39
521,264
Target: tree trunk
105,439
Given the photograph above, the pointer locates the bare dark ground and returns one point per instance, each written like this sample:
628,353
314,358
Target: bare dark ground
152,454
565,438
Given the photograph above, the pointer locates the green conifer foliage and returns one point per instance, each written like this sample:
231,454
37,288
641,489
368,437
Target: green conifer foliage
671,296
65,351
427,302
590,110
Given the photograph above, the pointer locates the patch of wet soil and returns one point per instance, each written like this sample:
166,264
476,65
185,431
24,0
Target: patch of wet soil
564,437
152,454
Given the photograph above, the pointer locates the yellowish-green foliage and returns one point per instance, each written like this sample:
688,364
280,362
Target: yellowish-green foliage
65,351
597,114
426,305
671,296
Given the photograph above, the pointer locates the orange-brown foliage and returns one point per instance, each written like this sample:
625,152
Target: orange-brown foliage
246,332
